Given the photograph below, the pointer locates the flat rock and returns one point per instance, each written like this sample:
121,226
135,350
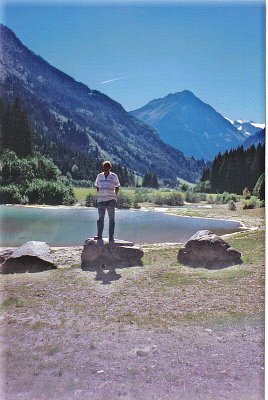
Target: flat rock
118,254
32,256
207,250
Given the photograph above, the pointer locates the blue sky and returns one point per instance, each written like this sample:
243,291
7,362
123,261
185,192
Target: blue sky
137,51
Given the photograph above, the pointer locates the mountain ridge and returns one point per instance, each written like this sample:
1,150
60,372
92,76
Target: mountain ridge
65,110
186,121
255,140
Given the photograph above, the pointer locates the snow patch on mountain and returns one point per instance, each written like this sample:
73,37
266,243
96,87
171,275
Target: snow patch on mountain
248,128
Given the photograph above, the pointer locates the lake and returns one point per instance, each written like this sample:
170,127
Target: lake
72,226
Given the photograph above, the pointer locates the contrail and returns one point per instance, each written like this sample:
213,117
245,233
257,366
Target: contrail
112,80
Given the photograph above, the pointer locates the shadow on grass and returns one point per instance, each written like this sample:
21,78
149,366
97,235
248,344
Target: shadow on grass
107,278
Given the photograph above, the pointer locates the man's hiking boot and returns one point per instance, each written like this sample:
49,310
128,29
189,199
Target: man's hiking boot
111,239
97,237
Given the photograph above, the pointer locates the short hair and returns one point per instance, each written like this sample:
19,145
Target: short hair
107,163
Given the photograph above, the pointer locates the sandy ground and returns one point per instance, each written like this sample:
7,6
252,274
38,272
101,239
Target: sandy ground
157,332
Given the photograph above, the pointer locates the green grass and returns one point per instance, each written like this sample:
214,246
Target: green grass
173,279
224,274
251,245
12,301
82,193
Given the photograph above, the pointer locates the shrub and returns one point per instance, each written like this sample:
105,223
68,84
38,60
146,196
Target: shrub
210,200
136,205
91,200
142,195
226,197
260,203
11,194
123,201
202,196
53,193
22,171
174,199
246,193
203,187
232,205
249,204
184,187
44,168
159,199
193,197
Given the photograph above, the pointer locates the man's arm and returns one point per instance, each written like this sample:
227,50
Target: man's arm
97,183
116,189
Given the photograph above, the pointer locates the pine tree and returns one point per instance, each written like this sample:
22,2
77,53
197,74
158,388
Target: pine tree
236,169
17,134
146,180
154,181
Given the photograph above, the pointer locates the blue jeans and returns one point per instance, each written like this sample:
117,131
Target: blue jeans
110,207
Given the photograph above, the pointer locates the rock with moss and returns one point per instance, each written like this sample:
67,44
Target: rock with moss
104,254
207,250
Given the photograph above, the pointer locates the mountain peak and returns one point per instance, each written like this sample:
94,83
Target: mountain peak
180,95
187,93
187,123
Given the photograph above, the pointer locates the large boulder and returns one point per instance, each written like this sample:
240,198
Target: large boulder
32,256
207,250
101,253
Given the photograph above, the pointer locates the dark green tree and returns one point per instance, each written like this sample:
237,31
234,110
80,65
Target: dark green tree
236,169
259,188
154,181
17,134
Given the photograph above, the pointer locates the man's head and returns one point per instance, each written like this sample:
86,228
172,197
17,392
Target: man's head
106,166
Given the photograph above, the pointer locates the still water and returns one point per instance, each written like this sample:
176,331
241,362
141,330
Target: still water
72,226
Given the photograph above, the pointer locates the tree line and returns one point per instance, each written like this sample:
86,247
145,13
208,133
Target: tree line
150,180
79,168
235,170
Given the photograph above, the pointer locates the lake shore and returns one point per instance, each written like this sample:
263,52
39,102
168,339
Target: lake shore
46,223
160,332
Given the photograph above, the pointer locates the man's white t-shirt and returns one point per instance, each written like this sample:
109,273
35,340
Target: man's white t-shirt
106,186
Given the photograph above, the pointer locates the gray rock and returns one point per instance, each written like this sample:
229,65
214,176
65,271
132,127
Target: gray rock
207,250
32,256
101,253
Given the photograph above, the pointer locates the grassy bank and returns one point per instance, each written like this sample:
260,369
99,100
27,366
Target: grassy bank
162,196
165,279
159,294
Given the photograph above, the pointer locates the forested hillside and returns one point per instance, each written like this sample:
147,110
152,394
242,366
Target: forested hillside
17,135
236,169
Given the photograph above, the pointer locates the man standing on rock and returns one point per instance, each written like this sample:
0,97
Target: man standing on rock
107,184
